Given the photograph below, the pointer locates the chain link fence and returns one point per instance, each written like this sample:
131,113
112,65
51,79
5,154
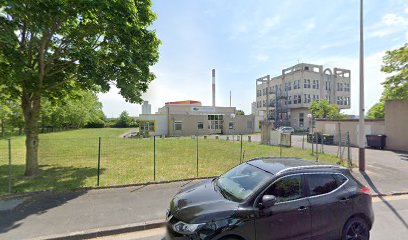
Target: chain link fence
71,163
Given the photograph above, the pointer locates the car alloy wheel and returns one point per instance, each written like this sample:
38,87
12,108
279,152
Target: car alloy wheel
357,229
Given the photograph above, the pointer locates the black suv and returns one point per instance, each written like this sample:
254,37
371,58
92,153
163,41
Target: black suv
273,198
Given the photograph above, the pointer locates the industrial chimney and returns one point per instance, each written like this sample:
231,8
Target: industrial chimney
213,87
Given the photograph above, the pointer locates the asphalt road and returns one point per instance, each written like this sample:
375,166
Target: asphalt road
391,222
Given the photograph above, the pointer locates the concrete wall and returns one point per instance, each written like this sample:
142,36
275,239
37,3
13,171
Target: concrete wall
396,125
351,126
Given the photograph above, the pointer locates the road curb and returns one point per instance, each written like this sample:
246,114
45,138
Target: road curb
105,231
379,195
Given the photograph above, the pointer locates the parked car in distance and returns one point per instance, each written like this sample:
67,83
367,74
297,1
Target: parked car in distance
290,130
273,198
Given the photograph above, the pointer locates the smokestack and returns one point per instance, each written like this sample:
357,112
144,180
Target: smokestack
213,87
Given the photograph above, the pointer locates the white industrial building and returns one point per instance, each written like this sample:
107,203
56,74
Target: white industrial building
285,99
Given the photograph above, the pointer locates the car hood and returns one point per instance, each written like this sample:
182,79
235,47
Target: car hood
200,203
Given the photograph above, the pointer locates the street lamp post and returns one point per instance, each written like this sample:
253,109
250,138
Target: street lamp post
361,149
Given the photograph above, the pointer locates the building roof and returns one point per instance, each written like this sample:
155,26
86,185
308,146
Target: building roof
185,102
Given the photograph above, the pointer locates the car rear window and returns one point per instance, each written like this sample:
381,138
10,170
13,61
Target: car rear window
340,179
321,184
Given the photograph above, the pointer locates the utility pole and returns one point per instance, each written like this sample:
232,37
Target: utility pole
361,132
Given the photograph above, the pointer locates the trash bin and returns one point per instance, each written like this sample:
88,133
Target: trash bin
328,139
376,141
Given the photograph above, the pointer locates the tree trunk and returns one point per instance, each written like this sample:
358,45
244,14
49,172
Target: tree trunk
2,128
31,110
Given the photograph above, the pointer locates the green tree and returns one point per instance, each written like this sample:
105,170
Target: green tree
376,111
323,109
51,48
73,111
396,85
240,112
124,120
396,63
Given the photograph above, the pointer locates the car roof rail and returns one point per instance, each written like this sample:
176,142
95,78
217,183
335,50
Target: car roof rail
311,167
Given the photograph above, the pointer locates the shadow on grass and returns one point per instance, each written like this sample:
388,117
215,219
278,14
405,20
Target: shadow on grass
15,209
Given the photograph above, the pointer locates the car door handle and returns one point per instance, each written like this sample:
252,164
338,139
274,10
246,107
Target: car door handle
302,208
344,200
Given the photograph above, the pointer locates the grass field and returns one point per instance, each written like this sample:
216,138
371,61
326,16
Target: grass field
70,159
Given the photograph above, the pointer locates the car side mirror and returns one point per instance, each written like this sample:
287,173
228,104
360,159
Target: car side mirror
267,201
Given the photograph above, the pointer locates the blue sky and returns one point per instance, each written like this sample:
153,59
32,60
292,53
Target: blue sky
245,39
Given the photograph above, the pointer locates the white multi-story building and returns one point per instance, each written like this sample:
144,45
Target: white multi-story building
285,99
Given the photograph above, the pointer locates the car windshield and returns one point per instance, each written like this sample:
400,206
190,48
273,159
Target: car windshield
240,182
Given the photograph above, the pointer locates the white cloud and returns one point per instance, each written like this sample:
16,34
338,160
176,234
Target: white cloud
390,24
268,24
391,19
309,25
406,10
261,57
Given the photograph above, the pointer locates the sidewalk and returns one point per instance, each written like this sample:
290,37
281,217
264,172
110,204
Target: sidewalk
386,171
49,215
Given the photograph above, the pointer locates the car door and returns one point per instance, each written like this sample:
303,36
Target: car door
290,217
330,204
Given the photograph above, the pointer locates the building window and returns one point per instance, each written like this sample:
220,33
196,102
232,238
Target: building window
315,97
299,99
200,125
339,86
301,119
249,124
147,126
328,86
178,126
306,83
347,87
231,125
315,84
307,98
289,99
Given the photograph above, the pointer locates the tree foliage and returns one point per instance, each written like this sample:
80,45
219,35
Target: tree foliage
376,111
52,48
75,111
323,109
396,85
125,121
240,112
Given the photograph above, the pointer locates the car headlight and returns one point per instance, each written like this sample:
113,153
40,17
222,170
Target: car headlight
185,228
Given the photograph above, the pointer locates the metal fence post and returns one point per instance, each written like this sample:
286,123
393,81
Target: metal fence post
99,161
312,140
317,148
348,152
303,141
197,154
154,158
9,168
322,143
240,154
280,146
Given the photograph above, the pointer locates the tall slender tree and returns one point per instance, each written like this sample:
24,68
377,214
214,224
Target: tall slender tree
51,48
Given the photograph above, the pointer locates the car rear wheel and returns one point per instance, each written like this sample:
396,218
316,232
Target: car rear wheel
356,229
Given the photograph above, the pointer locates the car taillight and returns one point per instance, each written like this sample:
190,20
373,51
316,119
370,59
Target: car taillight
365,190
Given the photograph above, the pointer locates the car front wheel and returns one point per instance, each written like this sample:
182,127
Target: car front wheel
356,229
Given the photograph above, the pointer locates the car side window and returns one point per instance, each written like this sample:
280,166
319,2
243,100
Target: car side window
321,184
286,189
